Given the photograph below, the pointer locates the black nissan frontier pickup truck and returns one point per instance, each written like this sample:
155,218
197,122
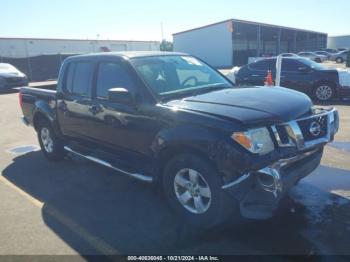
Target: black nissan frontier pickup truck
218,152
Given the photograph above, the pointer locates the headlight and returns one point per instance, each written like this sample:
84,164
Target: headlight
257,141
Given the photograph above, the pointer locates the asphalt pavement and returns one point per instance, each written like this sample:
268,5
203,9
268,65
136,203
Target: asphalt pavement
76,207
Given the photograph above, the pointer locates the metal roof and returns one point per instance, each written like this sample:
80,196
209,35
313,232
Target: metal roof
74,39
249,22
131,54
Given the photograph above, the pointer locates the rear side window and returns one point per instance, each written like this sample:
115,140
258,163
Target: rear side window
264,65
290,65
79,76
112,75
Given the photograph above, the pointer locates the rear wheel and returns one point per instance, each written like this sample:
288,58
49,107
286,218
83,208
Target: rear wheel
324,92
339,60
193,189
50,144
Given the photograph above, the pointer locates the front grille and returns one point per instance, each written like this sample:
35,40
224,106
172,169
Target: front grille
307,132
313,128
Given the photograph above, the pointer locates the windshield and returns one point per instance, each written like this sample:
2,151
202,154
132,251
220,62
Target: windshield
171,75
312,64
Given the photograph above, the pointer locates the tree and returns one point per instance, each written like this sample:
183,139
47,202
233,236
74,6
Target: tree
166,46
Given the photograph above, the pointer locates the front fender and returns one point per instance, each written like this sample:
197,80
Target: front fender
189,136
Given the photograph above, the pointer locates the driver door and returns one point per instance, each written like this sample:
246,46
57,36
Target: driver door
117,125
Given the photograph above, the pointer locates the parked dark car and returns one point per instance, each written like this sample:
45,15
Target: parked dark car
300,74
217,151
11,77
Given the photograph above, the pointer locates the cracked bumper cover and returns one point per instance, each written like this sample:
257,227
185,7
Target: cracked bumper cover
260,192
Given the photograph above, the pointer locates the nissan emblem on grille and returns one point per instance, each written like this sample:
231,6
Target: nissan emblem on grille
315,129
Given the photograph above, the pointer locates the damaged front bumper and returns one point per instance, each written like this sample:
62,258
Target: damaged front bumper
260,191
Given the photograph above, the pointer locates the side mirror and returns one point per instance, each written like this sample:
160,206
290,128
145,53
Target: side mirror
120,95
304,69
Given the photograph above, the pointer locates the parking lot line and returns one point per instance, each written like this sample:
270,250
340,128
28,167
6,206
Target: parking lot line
33,200
100,245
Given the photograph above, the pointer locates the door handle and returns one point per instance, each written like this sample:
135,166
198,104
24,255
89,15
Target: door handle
95,109
62,106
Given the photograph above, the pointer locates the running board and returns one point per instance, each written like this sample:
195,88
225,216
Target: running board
106,164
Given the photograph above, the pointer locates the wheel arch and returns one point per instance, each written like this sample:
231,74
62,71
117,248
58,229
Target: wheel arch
38,117
170,151
43,111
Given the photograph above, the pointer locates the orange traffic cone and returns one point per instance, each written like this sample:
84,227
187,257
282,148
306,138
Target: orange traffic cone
269,80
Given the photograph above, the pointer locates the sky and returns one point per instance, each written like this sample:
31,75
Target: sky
141,20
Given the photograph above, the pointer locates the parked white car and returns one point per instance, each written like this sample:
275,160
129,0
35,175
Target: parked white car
313,56
11,77
340,57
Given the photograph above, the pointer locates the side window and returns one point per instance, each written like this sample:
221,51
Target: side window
82,76
264,65
290,65
111,75
69,77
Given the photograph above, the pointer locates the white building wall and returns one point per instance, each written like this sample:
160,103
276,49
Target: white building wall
213,44
20,48
339,42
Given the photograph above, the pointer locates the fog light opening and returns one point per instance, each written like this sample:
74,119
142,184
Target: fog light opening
269,179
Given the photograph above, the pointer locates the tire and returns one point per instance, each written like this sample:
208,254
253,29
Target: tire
339,60
50,144
324,92
214,207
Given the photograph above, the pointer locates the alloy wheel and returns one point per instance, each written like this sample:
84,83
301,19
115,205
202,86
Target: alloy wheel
46,139
324,93
192,191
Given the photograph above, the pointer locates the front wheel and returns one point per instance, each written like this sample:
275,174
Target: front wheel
324,92
50,144
193,189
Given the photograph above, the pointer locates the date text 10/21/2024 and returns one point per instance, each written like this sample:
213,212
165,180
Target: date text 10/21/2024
173,258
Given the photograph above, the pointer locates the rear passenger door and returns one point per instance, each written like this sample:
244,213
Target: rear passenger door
74,102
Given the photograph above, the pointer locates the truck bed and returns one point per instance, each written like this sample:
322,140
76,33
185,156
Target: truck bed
30,96
51,85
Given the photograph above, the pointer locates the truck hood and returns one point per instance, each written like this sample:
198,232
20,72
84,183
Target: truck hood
251,106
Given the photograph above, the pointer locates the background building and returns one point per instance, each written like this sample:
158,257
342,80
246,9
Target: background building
342,41
233,41
41,58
